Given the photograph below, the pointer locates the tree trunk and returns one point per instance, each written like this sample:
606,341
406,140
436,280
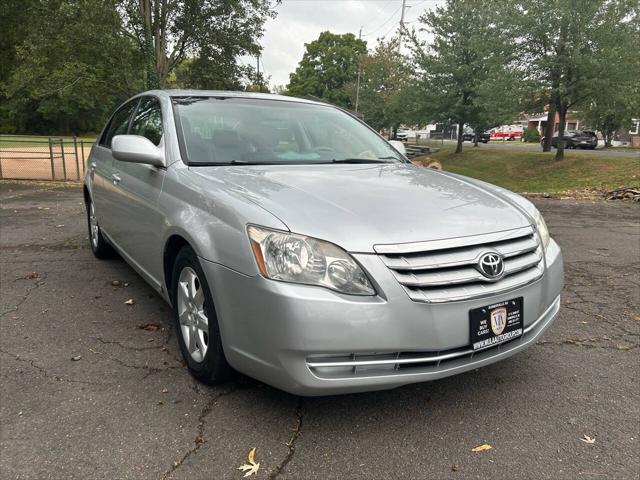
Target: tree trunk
476,134
608,138
562,115
548,129
460,132
149,51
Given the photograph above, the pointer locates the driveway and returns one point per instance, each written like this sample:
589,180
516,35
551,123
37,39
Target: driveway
92,387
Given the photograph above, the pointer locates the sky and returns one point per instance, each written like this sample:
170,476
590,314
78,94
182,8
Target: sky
301,21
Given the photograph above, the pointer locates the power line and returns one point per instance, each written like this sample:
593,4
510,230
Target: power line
385,22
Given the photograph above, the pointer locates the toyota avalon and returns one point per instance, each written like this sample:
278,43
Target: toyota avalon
297,246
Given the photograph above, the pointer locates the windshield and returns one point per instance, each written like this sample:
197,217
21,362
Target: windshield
232,130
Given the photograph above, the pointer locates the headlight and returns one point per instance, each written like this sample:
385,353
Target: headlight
289,257
542,229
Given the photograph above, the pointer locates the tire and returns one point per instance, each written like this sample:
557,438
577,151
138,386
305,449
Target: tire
99,246
195,320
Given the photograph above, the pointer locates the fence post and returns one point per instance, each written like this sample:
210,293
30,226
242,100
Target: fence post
84,161
64,160
53,170
75,150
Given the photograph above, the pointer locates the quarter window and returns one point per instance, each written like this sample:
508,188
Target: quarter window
119,123
147,121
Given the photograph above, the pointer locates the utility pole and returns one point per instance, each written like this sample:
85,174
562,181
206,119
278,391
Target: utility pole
358,81
404,6
258,73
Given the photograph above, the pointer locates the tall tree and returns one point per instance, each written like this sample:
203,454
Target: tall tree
216,32
568,48
72,68
469,51
384,91
328,64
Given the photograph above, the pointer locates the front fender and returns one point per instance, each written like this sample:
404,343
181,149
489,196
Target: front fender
212,218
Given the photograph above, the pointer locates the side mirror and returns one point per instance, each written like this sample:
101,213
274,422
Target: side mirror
399,146
136,149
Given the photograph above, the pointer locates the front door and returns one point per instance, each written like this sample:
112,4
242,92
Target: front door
138,188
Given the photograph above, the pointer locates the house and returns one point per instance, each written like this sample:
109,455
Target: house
539,122
631,135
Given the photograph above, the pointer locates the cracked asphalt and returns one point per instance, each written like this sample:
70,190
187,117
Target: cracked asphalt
126,407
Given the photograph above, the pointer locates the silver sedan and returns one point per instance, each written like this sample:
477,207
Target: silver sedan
297,246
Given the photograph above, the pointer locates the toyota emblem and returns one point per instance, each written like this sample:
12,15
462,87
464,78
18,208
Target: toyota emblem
491,265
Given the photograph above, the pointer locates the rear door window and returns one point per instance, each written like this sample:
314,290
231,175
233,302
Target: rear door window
147,121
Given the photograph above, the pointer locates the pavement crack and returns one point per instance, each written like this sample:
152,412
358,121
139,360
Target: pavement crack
291,444
199,440
48,375
41,281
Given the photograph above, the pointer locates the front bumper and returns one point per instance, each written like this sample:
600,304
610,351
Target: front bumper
285,334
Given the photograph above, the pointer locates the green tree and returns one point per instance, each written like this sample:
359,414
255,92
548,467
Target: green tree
570,48
385,79
72,67
214,32
458,70
327,66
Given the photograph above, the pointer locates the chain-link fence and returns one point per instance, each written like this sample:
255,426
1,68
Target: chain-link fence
43,158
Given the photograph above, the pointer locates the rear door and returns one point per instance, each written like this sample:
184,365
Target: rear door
101,167
138,188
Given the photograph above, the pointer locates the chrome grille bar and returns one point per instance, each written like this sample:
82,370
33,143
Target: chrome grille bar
447,270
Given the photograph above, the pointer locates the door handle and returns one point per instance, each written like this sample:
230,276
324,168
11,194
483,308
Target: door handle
93,166
116,178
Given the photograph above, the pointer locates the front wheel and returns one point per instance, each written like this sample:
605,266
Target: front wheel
196,321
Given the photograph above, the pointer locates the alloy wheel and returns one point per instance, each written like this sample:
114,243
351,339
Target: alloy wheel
194,323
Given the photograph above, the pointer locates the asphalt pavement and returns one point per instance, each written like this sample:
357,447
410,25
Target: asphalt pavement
92,387
616,152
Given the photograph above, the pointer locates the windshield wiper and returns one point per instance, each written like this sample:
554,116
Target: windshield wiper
364,160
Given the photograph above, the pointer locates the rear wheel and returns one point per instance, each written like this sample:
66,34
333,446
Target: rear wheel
99,245
195,320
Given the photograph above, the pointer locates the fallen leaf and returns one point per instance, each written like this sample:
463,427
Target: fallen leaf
160,402
116,283
482,448
454,468
164,390
59,226
19,414
131,301
251,467
149,327
30,276
588,439
200,440
76,358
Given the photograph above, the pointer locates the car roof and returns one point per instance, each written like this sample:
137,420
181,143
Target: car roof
170,93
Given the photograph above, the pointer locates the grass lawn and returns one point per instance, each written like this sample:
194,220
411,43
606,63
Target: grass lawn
525,171
18,141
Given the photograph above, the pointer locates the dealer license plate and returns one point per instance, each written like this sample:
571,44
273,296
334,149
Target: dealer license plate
496,323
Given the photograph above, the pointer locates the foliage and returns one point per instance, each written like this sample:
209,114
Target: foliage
531,135
327,66
214,32
66,64
71,68
385,82
570,50
460,70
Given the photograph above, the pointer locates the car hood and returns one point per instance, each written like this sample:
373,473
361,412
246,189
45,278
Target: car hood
359,206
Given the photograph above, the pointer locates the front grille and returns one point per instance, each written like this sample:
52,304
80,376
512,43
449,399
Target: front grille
446,270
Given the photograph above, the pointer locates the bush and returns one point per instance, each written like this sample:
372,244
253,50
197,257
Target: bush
531,135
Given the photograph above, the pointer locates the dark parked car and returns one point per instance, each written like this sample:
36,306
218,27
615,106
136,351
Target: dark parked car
484,137
575,139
